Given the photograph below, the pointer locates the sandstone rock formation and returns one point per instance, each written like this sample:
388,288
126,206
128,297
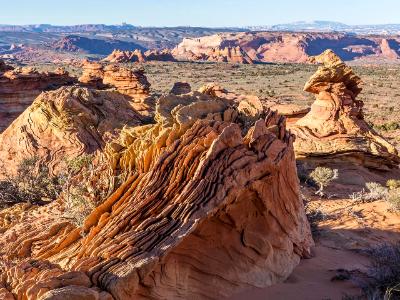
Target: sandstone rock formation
180,88
119,56
127,81
285,46
159,55
20,86
291,112
211,206
64,124
210,49
92,74
334,128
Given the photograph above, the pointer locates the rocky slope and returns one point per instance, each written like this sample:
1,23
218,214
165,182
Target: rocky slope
210,206
291,47
19,87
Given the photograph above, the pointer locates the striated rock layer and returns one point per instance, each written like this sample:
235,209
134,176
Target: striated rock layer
211,206
19,87
64,124
335,128
132,83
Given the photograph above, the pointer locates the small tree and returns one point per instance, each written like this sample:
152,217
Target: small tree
323,176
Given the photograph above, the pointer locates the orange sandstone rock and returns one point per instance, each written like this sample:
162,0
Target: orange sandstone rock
211,206
20,86
334,128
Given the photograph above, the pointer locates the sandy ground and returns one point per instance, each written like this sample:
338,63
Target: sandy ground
347,229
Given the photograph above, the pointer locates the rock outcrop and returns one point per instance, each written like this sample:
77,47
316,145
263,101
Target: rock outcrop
181,88
132,83
334,128
210,49
92,74
65,124
294,47
119,56
20,86
126,81
159,55
211,206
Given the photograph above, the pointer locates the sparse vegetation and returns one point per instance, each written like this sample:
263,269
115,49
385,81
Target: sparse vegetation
323,177
32,183
393,184
383,273
393,199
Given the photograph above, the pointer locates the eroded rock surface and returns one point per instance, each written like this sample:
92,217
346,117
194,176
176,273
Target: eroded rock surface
20,86
64,124
211,206
334,128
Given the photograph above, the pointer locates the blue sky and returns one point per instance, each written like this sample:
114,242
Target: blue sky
212,13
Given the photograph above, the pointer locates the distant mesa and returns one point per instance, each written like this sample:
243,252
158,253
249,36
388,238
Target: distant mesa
75,43
286,47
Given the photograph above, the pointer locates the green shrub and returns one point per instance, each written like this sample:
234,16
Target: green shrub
393,199
32,183
393,184
323,177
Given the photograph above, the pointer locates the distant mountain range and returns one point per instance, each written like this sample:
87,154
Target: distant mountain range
328,26
318,26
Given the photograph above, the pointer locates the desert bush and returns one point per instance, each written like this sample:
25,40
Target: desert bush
393,184
383,272
393,198
376,191
323,177
86,185
32,183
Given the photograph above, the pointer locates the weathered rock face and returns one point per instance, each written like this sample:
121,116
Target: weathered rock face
335,127
19,87
211,206
92,74
180,88
291,112
128,82
64,124
118,56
